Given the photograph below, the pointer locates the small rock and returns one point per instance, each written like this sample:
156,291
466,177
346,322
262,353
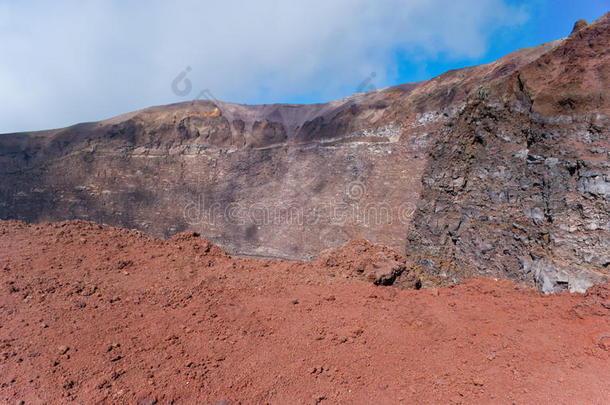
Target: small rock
319,398
604,342
478,381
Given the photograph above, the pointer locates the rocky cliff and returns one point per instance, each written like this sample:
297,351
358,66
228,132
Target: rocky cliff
500,169
519,183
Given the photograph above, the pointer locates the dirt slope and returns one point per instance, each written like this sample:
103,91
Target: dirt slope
104,315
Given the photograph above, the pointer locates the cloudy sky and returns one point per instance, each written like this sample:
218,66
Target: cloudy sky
64,62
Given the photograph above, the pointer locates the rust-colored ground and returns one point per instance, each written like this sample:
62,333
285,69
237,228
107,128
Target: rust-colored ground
102,315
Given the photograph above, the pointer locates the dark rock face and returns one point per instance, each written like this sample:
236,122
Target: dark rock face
508,195
501,169
519,183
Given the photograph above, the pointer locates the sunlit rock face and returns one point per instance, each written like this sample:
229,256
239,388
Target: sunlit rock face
501,169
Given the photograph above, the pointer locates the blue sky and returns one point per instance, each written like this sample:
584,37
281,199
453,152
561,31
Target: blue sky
546,21
69,61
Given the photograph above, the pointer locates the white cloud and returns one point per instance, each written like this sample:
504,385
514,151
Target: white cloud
70,61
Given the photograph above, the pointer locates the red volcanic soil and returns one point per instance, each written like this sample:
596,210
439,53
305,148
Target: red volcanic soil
104,315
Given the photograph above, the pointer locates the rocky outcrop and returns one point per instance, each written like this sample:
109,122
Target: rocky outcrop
518,184
500,169
506,195
375,263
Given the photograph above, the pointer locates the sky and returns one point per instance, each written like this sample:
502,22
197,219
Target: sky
64,62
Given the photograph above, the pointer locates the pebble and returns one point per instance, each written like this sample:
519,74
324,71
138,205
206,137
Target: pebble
478,381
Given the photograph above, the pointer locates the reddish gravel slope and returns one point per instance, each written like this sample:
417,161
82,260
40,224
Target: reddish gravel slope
103,315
